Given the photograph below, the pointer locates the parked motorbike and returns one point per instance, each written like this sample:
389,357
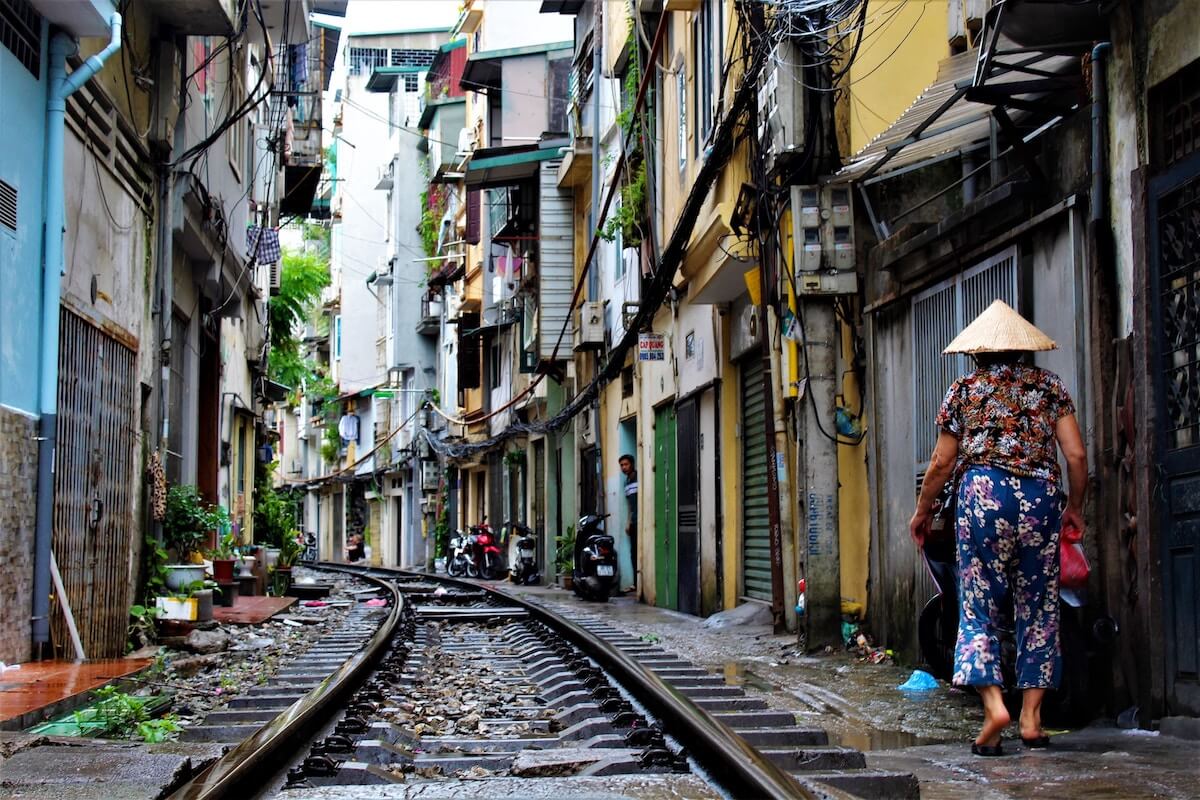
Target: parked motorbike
485,553
459,561
937,631
522,554
594,575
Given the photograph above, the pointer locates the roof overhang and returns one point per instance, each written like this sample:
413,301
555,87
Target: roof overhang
300,188
503,166
383,79
431,109
560,6
482,72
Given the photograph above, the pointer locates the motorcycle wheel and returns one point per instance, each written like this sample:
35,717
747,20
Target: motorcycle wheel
491,567
937,638
456,568
1069,705
472,571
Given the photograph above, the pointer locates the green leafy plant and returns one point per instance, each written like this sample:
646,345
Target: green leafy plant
141,626
116,713
163,729
433,208
274,512
290,550
514,459
564,556
226,546
189,520
154,561
302,277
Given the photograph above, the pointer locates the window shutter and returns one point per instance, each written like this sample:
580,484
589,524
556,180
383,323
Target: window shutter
473,216
468,350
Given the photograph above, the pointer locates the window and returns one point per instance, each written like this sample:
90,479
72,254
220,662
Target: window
241,458
176,398
337,337
681,99
627,382
618,244
708,49
559,95
235,138
494,364
365,59
938,314
21,33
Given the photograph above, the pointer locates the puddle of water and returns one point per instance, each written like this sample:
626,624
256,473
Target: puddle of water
879,739
737,674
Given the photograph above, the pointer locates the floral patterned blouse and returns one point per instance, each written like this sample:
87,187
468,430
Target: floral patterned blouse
1004,416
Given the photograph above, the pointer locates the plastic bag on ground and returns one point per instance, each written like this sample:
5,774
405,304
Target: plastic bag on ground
919,682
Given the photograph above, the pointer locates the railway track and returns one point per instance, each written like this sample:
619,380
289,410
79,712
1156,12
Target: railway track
456,690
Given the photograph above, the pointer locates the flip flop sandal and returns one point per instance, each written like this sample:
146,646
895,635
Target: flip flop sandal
1036,742
988,750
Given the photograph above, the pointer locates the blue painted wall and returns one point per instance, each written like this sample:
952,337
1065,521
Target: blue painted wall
23,110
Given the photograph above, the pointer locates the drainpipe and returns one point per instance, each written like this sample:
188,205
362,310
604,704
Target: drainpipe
1099,131
62,86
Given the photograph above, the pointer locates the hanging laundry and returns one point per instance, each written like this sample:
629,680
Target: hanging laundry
262,245
348,428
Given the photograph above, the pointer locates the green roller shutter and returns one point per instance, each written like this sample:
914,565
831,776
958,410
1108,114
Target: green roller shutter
756,529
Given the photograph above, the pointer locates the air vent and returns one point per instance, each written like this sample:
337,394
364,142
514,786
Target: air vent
8,206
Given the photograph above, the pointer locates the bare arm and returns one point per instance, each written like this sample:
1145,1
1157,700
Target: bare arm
941,467
1070,440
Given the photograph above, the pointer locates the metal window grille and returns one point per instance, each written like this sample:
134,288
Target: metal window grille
8,205
938,314
1175,117
402,57
365,59
21,33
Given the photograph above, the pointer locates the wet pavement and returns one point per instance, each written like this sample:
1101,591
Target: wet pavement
927,733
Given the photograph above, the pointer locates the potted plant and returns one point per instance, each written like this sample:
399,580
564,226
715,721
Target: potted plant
564,558
186,527
224,556
290,550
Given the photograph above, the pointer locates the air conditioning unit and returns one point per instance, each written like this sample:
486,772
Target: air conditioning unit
589,326
430,476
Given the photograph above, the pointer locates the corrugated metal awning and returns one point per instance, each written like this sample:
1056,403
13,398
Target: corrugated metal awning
507,166
942,122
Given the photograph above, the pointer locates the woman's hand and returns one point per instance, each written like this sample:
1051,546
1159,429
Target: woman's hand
1073,518
919,525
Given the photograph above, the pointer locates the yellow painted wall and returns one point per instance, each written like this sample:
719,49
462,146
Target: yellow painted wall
854,500
911,37
731,475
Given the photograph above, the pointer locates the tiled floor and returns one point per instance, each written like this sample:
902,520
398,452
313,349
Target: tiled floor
252,610
36,685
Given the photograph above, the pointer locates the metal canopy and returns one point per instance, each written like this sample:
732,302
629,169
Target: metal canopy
955,114
504,166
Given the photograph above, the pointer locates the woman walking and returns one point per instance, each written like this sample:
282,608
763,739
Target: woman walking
998,429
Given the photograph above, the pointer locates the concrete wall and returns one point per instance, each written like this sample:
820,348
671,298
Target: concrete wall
516,23
23,104
1171,31
18,465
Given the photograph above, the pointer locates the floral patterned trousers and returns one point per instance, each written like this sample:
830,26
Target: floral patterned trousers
1007,531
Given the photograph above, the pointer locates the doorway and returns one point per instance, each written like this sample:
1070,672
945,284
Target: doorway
687,438
666,544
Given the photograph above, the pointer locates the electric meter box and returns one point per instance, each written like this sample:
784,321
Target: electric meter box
823,236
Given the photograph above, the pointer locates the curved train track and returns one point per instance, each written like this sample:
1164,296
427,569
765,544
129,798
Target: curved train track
454,681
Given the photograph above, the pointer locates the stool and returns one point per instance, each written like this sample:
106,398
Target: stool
229,593
248,586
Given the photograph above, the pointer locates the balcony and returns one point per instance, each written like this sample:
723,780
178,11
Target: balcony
197,17
430,323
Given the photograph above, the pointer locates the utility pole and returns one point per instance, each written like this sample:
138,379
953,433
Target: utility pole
819,467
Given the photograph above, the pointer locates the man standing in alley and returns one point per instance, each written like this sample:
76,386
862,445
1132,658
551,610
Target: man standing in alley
631,497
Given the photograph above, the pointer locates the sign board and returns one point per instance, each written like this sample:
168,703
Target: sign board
651,347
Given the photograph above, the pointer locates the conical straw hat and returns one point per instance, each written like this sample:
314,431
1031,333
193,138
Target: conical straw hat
1000,329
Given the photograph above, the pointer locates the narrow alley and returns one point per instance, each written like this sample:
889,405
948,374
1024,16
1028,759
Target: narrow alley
658,373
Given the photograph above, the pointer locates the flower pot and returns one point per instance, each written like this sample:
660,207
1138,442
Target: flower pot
180,575
245,567
223,569
282,581
204,604
568,582
177,608
270,557
228,594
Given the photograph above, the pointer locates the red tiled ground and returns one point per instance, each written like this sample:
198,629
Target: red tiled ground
43,683
252,610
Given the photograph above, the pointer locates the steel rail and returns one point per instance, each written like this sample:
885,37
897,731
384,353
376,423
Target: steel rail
730,760
240,772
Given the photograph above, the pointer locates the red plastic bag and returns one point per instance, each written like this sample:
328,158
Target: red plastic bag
1074,566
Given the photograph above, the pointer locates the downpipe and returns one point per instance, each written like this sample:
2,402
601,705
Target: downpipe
61,86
